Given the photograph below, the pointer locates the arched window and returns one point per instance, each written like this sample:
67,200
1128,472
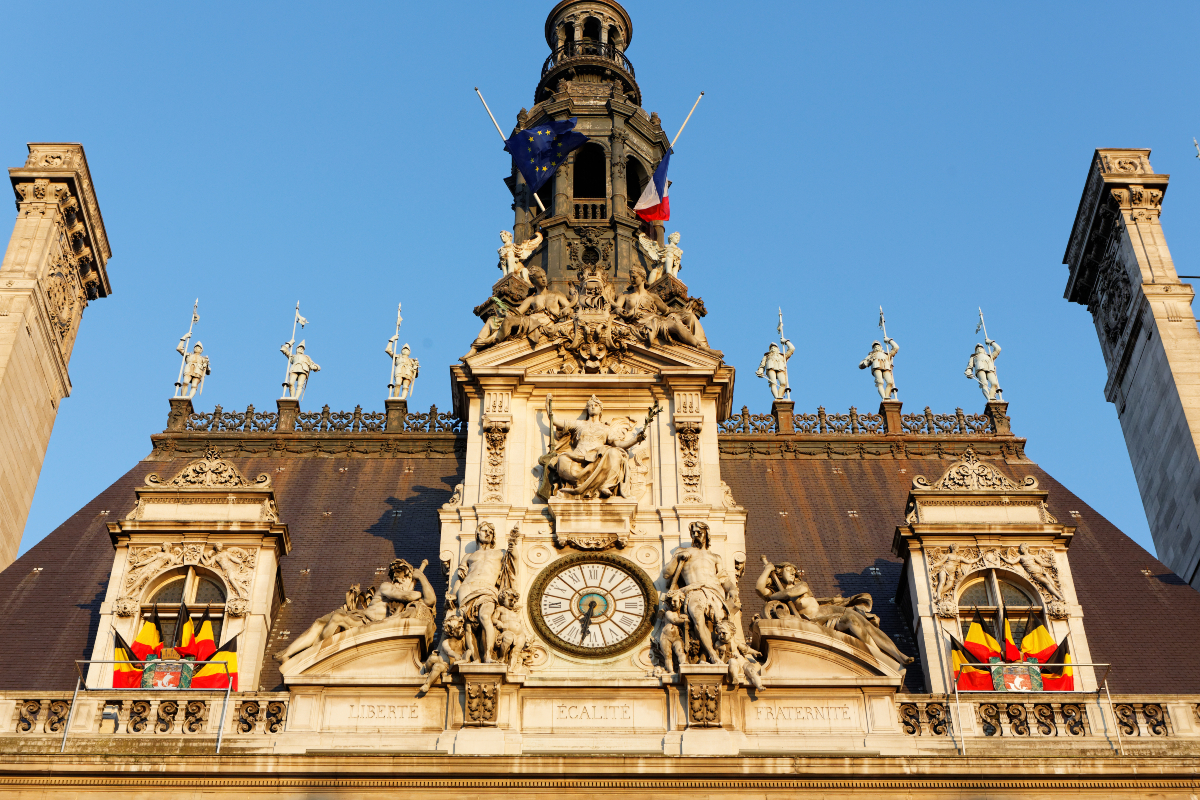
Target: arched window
589,173
636,179
614,37
999,595
591,30
204,594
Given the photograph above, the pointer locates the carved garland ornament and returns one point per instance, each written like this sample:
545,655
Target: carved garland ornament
971,474
211,471
688,434
950,566
495,433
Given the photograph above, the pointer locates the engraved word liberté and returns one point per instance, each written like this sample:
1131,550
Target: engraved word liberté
382,711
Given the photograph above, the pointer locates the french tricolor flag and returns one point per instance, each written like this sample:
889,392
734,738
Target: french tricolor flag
654,204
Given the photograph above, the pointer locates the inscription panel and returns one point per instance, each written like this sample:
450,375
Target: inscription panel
804,713
611,712
379,711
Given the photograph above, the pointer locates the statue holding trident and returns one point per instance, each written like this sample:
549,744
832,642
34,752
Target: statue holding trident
982,364
774,365
299,365
404,368
880,362
195,364
591,459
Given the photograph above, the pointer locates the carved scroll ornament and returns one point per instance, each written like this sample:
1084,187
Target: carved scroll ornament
972,474
208,472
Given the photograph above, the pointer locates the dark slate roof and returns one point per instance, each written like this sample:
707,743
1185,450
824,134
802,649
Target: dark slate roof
1146,626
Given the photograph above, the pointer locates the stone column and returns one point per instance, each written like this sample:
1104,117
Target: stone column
55,264
892,421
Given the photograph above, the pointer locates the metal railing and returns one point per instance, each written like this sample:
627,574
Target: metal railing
587,49
81,685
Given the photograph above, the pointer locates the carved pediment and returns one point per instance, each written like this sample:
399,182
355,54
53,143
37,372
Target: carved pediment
209,472
971,474
551,358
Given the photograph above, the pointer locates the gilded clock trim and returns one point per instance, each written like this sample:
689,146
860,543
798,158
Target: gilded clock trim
639,576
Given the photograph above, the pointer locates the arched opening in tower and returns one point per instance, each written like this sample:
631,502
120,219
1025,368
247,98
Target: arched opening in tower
591,30
589,172
636,178
614,37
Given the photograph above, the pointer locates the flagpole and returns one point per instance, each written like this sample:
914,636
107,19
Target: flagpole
685,120
883,325
497,124
395,349
983,325
288,370
188,339
780,329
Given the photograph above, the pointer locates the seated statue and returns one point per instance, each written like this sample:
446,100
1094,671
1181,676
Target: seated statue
653,318
397,596
592,459
537,312
792,597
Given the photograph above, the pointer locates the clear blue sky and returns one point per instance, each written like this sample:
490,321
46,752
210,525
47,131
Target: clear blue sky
929,158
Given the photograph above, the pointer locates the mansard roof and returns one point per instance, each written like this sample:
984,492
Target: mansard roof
354,512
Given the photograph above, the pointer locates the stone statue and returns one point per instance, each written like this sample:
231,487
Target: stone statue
653,319
513,256
397,596
789,596
742,658
299,366
946,571
592,458
481,577
669,642
235,563
982,367
512,639
404,369
538,311
663,256
879,360
704,588
774,368
452,649
196,366
148,562
1037,569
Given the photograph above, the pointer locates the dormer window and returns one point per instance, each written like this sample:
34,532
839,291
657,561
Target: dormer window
203,594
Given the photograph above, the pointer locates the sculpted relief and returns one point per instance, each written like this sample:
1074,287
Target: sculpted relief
590,458
949,566
235,565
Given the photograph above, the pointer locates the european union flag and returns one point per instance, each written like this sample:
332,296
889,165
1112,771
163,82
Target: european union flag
538,151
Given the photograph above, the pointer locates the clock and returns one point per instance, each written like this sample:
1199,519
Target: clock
593,605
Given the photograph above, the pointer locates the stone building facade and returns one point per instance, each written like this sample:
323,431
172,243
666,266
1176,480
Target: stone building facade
54,266
594,575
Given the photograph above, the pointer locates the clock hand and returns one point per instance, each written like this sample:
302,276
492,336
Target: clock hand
585,623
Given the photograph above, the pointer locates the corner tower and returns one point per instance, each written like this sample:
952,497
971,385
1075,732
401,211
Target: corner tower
54,266
1122,271
588,213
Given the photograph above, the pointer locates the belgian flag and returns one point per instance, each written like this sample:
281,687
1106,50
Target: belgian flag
1057,674
1011,651
148,642
205,644
968,678
1036,643
979,643
126,674
210,675
185,633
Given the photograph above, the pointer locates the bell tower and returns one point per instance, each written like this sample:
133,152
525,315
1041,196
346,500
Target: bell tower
54,266
588,215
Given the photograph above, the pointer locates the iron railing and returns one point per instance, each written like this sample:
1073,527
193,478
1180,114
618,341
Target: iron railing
587,49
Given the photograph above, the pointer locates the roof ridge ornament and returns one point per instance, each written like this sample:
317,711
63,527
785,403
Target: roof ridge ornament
971,474
210,471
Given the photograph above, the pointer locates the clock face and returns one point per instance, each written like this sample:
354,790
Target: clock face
593,605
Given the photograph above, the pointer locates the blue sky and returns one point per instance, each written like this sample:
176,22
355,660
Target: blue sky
928,158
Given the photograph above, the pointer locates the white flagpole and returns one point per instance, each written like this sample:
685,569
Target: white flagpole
295,318
883,325
780,329
685,121
983,325
497,124
187,340
395,347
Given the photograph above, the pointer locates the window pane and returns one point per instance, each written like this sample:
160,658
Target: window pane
171,593
208,591
1015,596
975,595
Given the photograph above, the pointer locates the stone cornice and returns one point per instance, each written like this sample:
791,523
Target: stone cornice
193,444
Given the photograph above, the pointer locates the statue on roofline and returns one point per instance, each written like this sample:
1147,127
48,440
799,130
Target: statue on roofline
662,256
982,367
513,256
406,594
